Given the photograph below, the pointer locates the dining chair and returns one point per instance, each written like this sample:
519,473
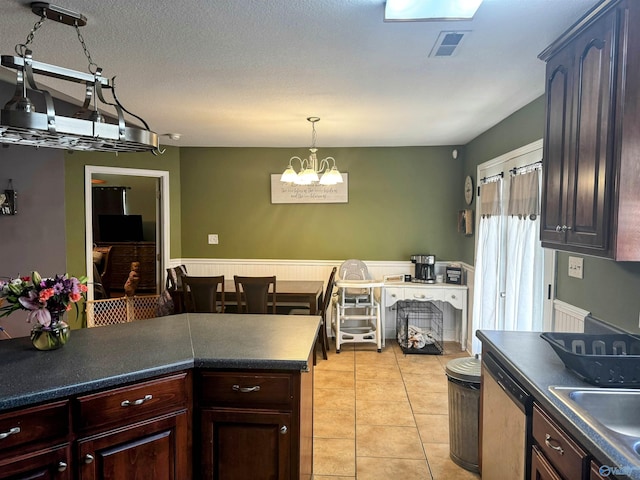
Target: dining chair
252,294
201,294
322,338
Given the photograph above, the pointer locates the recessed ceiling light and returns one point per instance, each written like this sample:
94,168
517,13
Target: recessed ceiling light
424,10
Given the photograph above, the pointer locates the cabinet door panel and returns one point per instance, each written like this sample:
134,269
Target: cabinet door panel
540,468
157,450
252,444
556,147
51,464
588,214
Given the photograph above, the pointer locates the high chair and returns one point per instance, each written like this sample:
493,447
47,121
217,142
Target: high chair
357,312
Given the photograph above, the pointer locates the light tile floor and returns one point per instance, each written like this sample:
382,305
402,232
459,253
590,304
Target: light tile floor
380,416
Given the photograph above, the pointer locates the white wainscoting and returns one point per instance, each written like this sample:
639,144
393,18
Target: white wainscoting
319,270
567,317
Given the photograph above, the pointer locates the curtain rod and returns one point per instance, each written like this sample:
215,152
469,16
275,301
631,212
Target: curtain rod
492,178
530,167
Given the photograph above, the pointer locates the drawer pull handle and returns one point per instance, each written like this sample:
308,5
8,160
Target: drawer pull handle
547,442
140,401
88,458
453,297
12,431
283,429
62,466
238,388
393,295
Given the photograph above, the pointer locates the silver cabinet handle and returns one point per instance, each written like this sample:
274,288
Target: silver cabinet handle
283,429
565,228
62,466
453,296
238,388
558,228
547,442
140,401
393,295
12,431
88,458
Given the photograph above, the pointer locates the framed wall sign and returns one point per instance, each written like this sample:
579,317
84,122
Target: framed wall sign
8,200
316,193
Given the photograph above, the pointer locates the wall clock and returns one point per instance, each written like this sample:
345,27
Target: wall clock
468,190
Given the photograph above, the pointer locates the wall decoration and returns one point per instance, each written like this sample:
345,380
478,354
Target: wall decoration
314,193
8,200
465,222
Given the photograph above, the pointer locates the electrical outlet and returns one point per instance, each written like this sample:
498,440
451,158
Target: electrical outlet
213,239
575,267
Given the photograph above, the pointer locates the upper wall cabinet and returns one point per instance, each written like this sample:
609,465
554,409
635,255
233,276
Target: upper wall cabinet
591,188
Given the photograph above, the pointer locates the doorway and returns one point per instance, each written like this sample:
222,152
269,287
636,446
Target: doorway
154,228
512,268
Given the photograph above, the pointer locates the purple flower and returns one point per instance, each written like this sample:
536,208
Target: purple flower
41,315
30,302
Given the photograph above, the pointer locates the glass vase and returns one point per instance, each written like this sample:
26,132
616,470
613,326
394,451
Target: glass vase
52,337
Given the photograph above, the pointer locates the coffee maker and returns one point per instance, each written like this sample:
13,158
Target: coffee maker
425,268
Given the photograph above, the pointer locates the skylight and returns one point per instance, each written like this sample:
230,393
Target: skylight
417,10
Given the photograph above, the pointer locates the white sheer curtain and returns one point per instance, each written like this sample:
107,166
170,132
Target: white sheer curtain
524,256
486,305
509,259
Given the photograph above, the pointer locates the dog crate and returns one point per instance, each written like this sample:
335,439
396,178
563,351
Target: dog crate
419,327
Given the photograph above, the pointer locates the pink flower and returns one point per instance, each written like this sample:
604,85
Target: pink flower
74,297
46,294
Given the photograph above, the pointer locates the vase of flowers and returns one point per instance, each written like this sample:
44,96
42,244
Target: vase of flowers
47,300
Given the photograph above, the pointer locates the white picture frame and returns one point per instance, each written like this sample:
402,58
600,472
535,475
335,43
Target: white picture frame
289,193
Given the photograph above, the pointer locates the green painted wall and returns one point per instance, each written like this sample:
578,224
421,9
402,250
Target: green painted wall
74,195
520,128
609,290
401,201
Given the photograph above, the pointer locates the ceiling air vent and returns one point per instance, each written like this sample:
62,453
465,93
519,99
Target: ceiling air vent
447,43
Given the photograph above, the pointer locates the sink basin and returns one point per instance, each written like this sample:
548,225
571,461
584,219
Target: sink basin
614,413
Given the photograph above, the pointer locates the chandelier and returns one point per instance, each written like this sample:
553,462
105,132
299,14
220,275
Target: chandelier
310,168
89,129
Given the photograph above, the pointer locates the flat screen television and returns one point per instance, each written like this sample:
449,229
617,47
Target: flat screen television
120,228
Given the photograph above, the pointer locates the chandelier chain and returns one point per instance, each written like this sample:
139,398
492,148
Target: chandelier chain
21,48
313,135
93,67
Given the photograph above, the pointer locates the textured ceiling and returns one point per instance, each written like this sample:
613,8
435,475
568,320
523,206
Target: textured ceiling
249,72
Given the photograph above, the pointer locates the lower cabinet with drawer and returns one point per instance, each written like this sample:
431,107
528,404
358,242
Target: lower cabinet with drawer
555,455
35,443
255,425
138,431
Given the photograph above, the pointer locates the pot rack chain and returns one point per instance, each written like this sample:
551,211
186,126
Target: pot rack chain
21,48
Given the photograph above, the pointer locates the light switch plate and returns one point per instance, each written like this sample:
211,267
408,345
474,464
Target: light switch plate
575,267
213,239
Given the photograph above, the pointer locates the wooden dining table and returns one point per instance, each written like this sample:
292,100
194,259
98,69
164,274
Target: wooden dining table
308,292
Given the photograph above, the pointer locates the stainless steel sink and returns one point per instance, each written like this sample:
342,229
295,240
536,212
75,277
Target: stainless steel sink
614,413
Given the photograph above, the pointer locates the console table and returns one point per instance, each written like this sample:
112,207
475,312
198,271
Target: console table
456,295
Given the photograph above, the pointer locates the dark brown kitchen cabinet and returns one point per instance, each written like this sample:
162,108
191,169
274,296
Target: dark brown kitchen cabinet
555,455
255,425
137,431
249,444
35,443
591,168
541,469
49,464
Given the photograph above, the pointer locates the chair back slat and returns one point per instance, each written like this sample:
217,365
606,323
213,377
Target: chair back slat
252,294
201,294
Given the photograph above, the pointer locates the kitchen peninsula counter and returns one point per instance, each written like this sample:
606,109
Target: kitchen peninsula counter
103,357
534,364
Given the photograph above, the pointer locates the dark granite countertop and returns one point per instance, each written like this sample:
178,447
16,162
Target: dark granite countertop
532,362
102,357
